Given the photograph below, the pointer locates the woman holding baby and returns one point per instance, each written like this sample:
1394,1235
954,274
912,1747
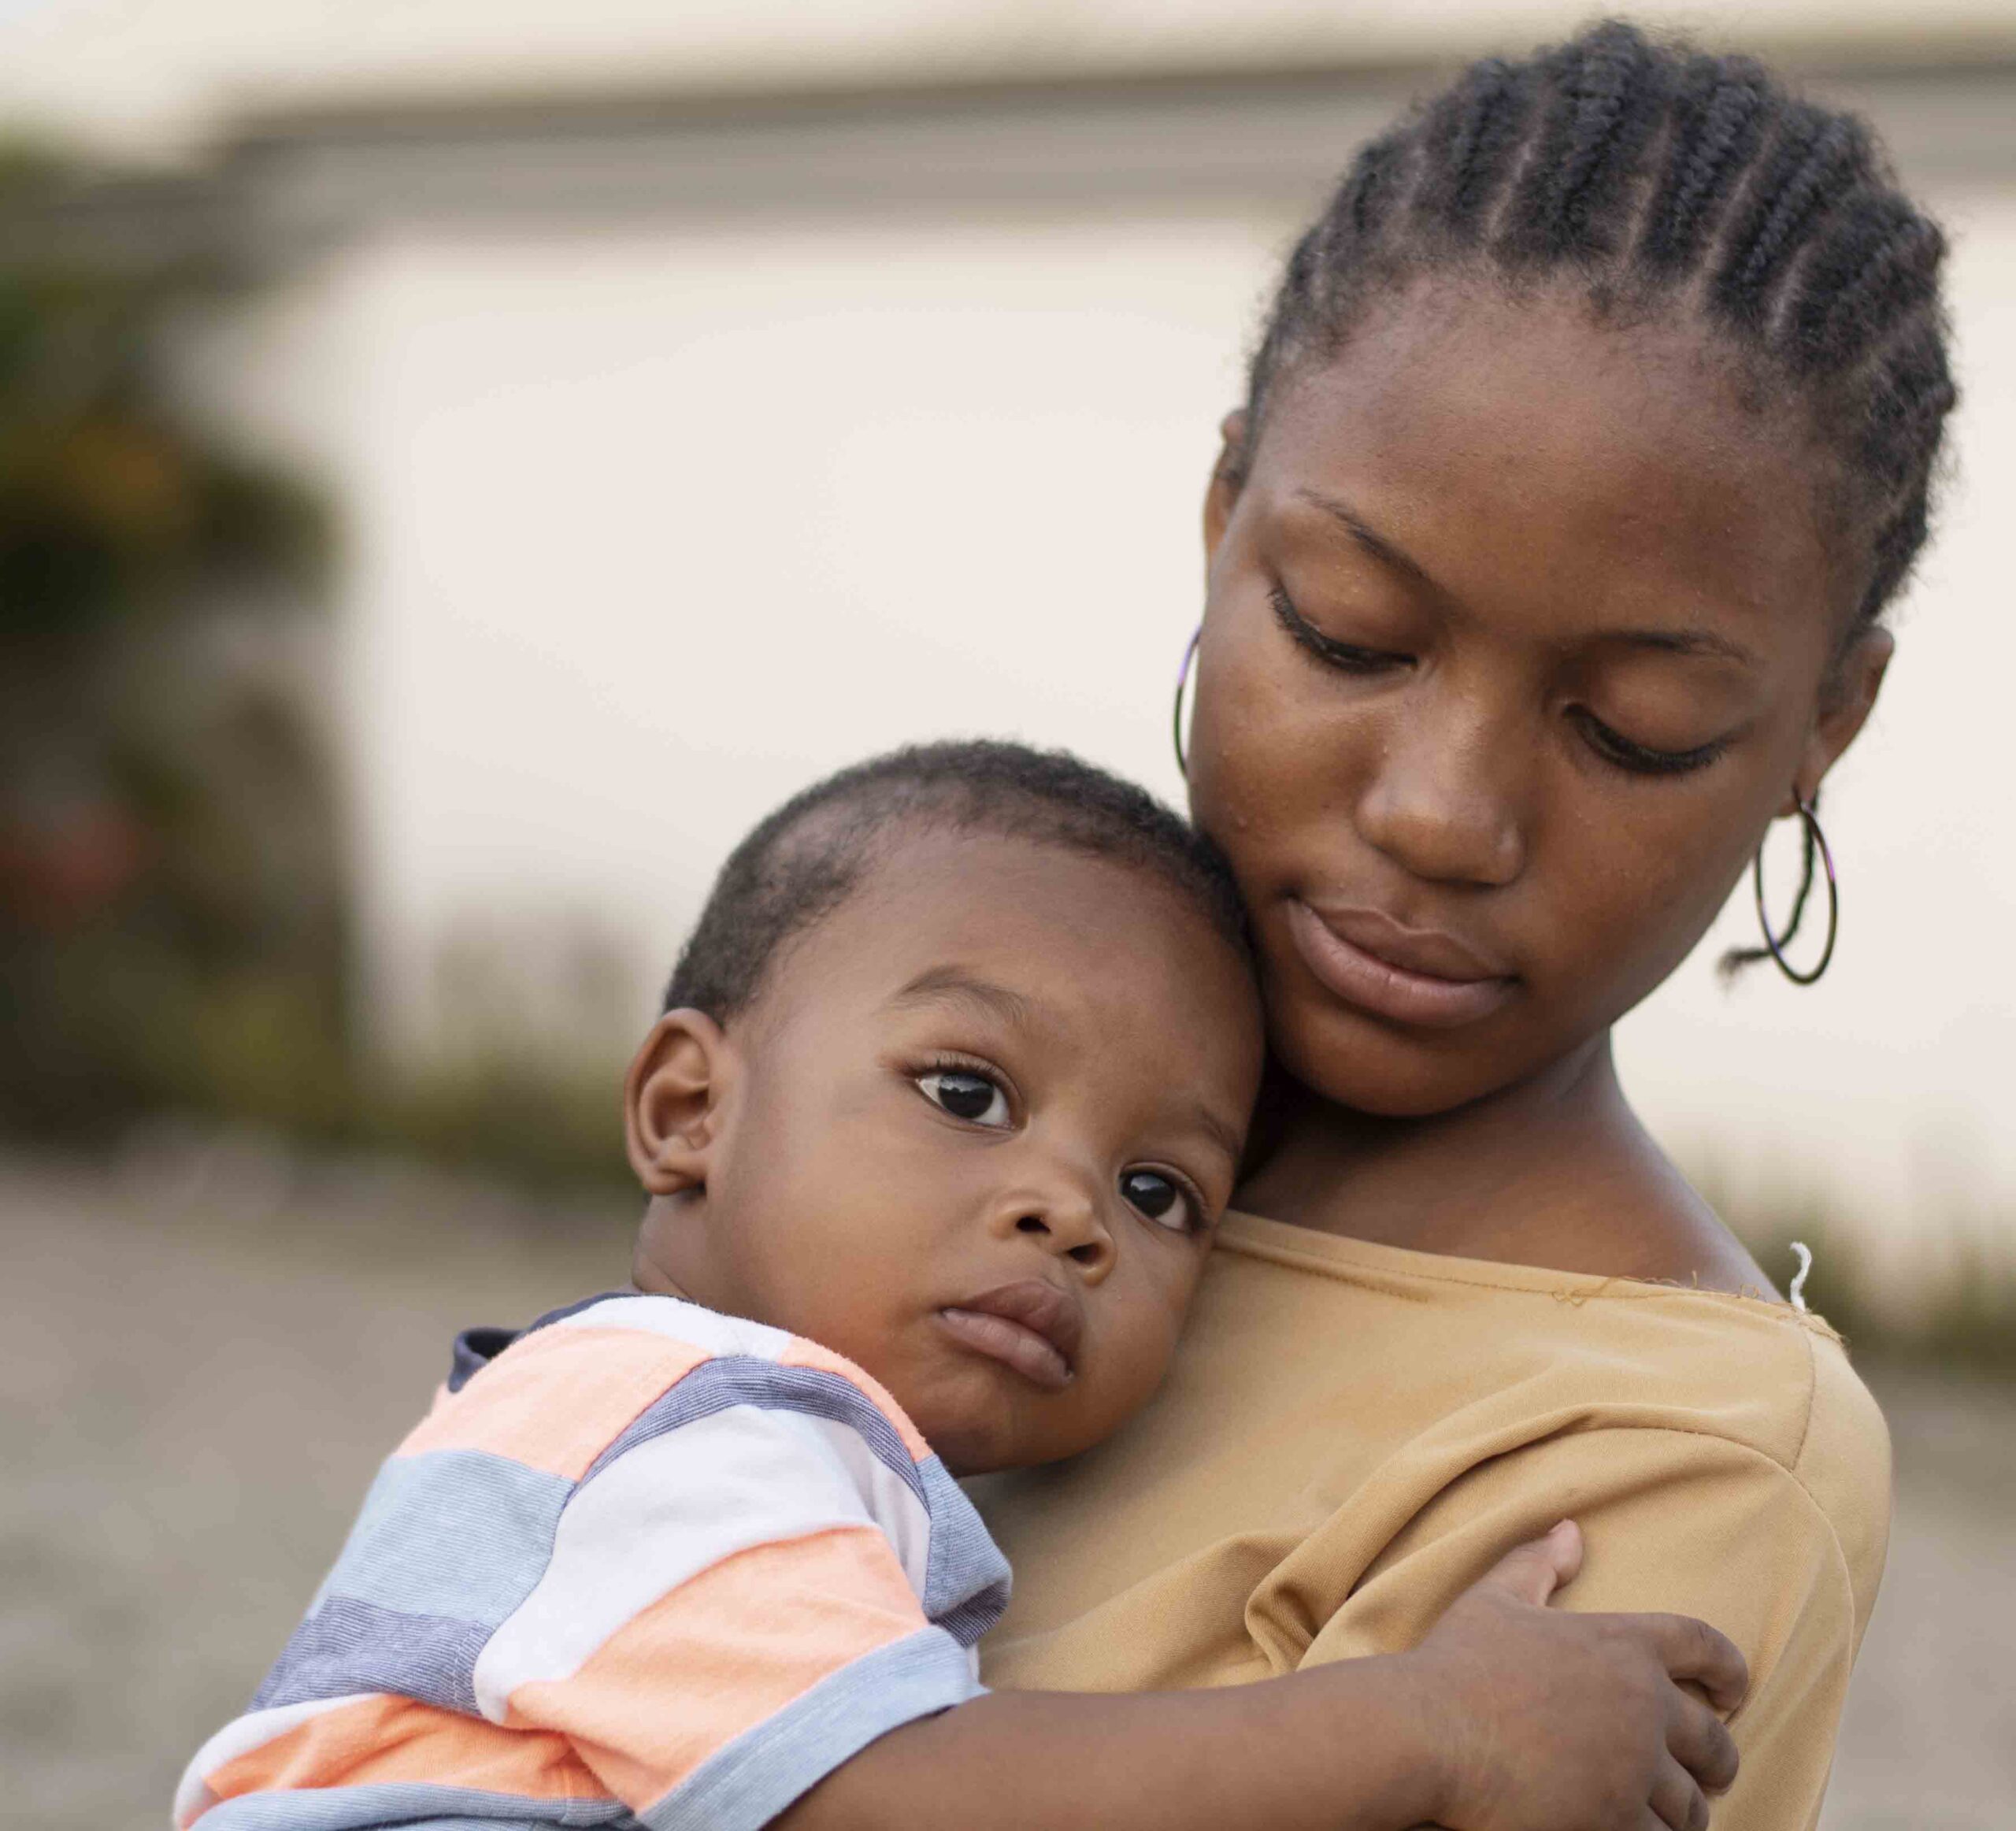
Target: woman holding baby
1588,440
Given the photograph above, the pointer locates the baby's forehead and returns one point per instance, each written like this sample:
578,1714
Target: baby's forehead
1032,915
971,877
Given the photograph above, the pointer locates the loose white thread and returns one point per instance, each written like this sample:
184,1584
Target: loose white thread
1798,1291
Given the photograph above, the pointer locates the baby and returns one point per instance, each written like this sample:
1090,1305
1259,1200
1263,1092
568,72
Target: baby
949,1093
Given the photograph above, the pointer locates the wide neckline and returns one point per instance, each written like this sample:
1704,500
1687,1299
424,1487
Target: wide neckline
1259,1236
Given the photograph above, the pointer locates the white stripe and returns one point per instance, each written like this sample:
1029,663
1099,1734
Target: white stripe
892,1503
242,1735
664,1512
679,1321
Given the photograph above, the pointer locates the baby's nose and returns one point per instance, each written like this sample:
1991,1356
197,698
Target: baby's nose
1073,1231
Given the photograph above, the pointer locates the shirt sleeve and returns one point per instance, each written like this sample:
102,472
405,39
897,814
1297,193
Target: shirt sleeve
730,1611
1674,1521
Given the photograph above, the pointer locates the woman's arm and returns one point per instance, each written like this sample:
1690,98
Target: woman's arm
1509,1716
1675,1519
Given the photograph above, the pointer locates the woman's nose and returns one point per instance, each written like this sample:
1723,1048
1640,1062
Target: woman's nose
1442,803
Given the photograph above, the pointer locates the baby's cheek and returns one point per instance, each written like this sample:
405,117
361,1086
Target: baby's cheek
1143,1354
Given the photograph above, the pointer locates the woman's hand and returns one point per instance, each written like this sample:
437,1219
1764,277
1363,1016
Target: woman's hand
1550,1722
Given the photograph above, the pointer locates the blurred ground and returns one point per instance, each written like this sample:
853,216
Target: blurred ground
209,1348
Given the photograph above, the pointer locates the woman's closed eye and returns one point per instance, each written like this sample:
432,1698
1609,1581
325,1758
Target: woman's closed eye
1352,658
1163,1199
967,1093
1640,759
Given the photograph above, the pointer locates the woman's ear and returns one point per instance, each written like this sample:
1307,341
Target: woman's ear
1222,494
1855,684
673,1100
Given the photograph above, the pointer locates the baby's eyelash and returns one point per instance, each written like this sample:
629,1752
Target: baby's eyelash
966,1068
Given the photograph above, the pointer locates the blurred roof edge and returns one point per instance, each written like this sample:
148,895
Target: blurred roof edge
282,172
1971,51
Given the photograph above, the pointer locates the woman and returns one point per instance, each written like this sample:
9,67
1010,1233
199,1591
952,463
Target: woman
1588,440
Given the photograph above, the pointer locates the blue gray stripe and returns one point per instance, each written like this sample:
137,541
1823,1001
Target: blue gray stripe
733,1380
453,1532
965,1587
353,1808
748,1783
475,1348
347,1646
976,1616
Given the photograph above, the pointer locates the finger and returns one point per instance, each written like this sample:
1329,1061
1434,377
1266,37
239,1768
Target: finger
1534,1571
1700,1742
1676,1800
1696,1654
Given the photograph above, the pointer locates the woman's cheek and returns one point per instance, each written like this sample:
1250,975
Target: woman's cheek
1268,760
1644,904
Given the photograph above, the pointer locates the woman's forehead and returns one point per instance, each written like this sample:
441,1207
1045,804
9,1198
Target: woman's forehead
1502,447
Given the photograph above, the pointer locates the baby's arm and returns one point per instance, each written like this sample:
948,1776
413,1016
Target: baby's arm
1509,1716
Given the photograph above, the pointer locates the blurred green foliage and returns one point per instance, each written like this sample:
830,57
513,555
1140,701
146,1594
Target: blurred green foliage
174,905
172,914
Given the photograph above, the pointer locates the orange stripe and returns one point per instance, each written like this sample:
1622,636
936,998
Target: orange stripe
556,1400
720,1653
800,1353
381,1739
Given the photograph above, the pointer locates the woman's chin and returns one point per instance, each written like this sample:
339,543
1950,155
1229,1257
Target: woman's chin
1357,1061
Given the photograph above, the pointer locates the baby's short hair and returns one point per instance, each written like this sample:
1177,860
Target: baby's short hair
801,861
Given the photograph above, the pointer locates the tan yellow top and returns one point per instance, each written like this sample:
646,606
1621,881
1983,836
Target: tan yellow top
1352,1433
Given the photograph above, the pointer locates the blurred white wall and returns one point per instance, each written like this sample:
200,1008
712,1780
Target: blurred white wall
662,501
156,75
651,527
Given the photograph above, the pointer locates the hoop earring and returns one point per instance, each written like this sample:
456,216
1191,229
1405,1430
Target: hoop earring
1813,841
1182,680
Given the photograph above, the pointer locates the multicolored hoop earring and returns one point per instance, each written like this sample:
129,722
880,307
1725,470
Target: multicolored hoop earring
1813,841
1182,680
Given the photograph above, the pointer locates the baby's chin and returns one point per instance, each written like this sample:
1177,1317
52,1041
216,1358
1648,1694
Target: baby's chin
969,1447
976,1427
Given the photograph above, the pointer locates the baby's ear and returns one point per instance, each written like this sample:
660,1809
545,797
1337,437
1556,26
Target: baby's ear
672,1102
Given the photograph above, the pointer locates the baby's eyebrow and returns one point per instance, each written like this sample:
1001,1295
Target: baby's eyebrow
953,985
1229,1138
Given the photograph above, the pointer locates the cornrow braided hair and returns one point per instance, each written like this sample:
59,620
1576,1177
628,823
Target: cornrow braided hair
1675,179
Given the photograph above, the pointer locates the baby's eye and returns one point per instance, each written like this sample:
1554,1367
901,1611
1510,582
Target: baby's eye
1161,1198
966,1095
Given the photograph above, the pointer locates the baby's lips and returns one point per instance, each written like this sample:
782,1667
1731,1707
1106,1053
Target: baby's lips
1034,1326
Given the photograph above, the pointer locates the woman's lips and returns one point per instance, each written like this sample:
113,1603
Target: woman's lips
1031,1326
1408,976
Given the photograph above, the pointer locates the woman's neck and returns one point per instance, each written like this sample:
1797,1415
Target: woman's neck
1556,1171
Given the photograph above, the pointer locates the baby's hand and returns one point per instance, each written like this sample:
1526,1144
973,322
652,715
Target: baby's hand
1553,1722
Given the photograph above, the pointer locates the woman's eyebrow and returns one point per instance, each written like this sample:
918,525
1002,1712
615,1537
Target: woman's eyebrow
1369,538
1682,641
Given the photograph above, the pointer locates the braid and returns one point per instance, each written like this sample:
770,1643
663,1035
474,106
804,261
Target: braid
1604,104
1817,157
1877,260
1719,120
1471,139
1693,183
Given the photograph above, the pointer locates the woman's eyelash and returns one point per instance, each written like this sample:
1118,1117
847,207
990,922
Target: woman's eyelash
1346,655
1641,759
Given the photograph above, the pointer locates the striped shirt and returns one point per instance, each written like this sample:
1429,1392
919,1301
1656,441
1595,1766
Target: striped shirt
642,1563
